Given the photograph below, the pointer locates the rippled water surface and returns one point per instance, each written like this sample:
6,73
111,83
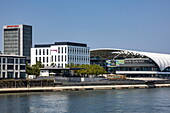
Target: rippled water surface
93,101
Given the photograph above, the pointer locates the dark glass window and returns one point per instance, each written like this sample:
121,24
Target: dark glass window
39,51
52,58
22,75
36,52
4,67
16,61
10,60
62,49
58,58
16,67
47,51
47,59
10,75
36,59
43,51
58,49
4,60
22,67
3,75
22,61
16,75
43,59
10,67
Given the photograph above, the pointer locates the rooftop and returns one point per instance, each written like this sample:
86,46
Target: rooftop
61,43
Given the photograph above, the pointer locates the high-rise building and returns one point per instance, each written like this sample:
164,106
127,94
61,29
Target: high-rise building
17,40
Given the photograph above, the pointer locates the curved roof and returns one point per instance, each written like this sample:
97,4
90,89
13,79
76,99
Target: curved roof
162,60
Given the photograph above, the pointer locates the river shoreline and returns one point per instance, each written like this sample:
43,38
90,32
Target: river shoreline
79,88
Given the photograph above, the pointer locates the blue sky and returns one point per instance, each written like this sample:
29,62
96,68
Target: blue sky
127,24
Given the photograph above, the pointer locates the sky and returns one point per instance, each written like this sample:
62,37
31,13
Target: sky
142,25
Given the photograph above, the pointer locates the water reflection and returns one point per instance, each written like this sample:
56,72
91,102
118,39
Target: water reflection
99,101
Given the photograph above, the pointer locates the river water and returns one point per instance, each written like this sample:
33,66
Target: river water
156,100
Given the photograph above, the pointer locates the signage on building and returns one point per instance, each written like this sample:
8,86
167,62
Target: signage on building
110,63
119,62
12,26
54,50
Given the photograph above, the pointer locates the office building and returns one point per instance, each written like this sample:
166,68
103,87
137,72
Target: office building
12,67
60,54
17,40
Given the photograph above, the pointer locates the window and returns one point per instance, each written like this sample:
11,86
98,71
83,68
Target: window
16,75
3,75
16,61
62,58
52,58
43,59
36,52
55,58
22,67
47,59
47,51
10,60
39,51
4,60
10,75
65,58
58,58
61,49
36,59
22,61
43,51
40,59
16,67
10,67
4,67
65,50
58,49
22,75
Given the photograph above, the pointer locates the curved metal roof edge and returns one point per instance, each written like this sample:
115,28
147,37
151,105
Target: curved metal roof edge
162,60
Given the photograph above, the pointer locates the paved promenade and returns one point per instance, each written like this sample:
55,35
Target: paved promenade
67,88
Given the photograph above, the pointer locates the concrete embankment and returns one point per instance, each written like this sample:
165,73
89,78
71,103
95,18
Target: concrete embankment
75,88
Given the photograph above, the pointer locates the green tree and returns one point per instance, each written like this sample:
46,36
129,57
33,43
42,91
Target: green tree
34,69
88,69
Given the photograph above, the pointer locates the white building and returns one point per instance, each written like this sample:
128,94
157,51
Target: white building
60,54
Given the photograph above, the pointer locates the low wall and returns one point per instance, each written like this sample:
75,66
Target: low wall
75,88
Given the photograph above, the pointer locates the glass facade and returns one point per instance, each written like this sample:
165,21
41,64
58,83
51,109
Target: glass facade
18,40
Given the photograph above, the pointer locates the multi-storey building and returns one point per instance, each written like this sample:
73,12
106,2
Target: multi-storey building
61,53
12,67
132,63
17,40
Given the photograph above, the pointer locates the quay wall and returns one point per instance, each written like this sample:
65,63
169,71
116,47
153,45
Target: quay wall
77,88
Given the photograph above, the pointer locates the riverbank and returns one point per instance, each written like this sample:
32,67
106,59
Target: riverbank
77,88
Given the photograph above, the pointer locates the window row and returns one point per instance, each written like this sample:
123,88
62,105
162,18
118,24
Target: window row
73,50
12,67
12,60
11,75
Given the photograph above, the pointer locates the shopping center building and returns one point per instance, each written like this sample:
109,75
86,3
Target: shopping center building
132,63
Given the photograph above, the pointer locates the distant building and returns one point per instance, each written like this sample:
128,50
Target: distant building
132,63
12,67
17,40
60,53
